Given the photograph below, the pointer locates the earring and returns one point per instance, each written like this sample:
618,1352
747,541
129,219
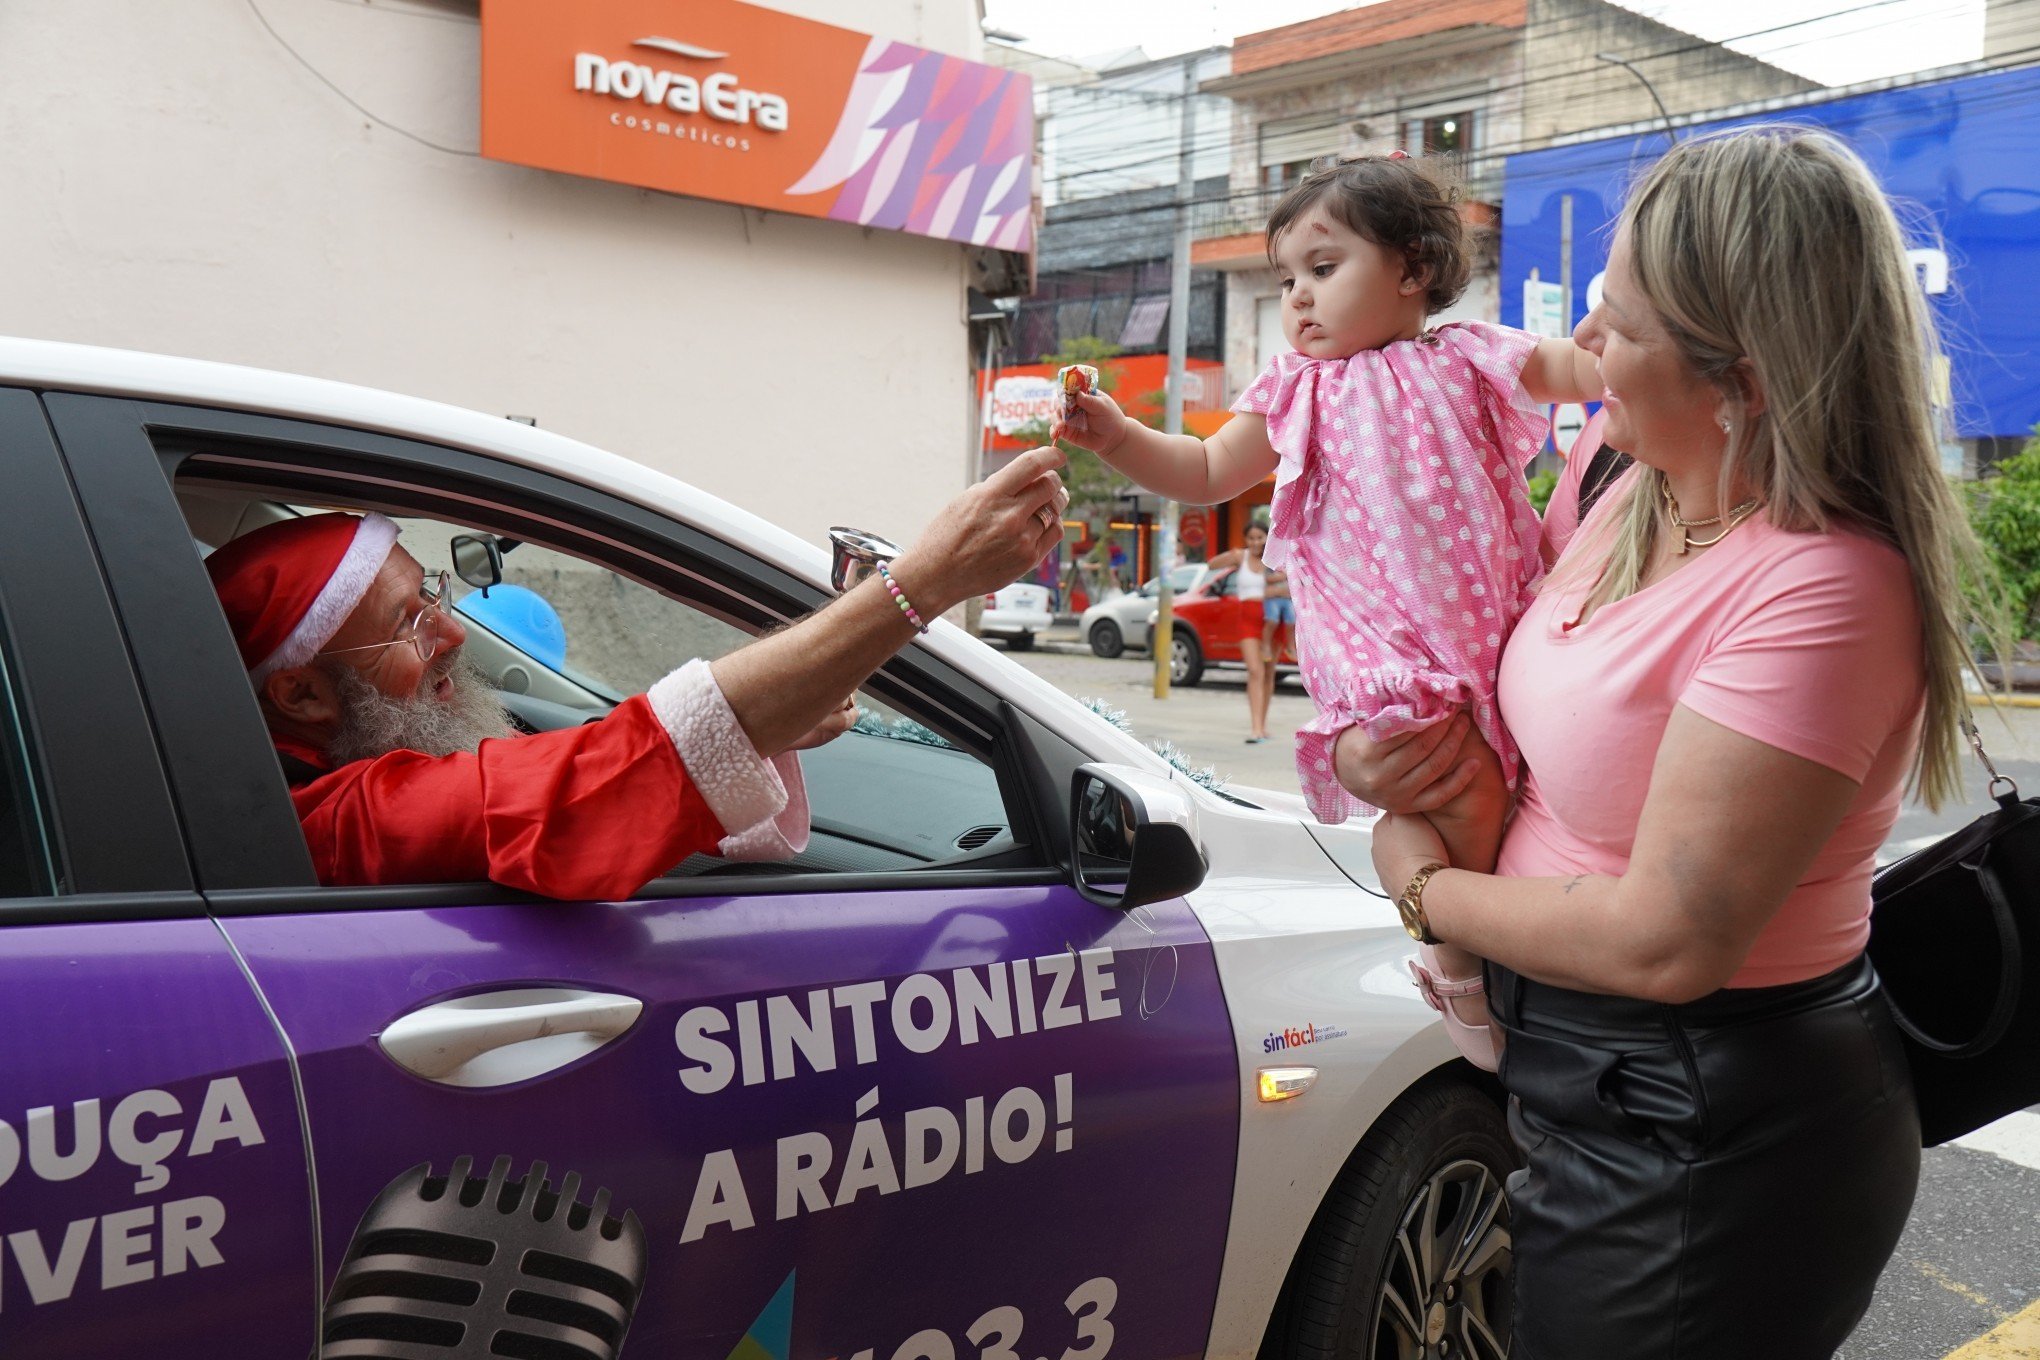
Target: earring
1726,426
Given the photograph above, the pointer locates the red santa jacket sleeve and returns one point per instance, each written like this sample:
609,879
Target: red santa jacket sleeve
587,812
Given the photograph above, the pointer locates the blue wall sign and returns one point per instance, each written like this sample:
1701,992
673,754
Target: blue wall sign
1961,152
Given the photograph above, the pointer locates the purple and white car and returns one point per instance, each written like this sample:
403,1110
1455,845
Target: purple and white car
1039,1052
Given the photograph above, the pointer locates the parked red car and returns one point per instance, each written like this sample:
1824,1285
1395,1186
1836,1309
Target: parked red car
1206,632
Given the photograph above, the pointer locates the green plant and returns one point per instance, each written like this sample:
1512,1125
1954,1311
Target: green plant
2004,510
1083,349
1541,487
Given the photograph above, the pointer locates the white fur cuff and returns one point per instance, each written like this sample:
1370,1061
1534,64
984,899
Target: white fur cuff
761,804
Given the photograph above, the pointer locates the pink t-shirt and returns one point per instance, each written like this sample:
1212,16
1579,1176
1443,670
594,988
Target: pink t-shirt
1806,642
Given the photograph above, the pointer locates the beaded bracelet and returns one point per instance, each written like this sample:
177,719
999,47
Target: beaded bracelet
899,597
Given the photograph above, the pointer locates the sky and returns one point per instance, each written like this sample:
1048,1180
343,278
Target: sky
1835,42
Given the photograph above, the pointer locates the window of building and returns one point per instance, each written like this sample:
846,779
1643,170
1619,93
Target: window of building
1283,175
1269,339
1444,134
1289,145
1144,323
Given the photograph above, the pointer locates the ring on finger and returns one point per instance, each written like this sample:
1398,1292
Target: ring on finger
1047,516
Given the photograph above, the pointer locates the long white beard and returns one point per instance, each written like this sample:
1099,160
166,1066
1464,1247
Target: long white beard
373,723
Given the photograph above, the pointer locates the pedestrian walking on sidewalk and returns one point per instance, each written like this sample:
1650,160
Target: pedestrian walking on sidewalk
1256,586
1743,657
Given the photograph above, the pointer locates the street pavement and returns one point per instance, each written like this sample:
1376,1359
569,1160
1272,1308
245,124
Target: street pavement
1965,1280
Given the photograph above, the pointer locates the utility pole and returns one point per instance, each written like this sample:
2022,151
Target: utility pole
1565,256
1179,347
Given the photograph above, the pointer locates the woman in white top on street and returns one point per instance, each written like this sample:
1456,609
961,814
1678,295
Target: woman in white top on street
1253,585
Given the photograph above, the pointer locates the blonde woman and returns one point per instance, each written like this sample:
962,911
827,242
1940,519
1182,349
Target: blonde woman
1741,661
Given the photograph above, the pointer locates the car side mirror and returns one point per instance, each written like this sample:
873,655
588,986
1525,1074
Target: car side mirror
854,555
478,560
1133,837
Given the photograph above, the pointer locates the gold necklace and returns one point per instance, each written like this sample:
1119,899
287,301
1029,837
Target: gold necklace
1686,540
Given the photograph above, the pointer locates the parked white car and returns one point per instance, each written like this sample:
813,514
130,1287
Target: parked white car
1111,626
1036,1036
1016,614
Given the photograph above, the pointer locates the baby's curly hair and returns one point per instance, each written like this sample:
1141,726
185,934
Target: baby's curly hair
1397,202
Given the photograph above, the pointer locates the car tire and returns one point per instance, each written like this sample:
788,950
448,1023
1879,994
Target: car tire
1411,1245
1020,642
1186,658
1106,640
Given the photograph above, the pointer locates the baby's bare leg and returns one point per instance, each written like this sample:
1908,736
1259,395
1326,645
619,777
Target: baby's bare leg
1470,825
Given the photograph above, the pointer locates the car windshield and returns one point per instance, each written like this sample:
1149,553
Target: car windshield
1180,580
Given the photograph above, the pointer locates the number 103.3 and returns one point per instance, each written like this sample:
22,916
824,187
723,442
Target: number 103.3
996,1335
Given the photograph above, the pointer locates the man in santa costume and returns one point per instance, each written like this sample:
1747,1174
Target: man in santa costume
403,768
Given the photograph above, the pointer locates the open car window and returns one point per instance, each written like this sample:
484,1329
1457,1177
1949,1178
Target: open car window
563,639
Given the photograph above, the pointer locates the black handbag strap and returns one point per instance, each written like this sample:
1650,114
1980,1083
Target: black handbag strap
2011,953
2010,980
1606,465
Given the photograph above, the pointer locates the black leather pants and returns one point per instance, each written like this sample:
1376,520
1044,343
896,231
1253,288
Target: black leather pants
1721,1180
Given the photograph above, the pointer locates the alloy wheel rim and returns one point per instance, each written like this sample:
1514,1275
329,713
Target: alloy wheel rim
1445,1293
1179,659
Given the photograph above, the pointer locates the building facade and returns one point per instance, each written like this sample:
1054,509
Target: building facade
1111,134
1466,80
295,184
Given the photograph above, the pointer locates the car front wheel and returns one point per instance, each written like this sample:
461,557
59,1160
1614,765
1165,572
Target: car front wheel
1410,1256
1105,639
1186,658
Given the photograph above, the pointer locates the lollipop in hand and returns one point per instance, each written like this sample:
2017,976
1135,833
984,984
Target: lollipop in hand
1074,380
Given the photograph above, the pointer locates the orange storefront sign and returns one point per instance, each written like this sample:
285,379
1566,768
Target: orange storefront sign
743,104
1023,397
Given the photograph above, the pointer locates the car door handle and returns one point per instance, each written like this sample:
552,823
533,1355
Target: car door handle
495,1038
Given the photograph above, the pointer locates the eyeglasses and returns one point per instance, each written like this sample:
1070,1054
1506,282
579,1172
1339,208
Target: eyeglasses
422,635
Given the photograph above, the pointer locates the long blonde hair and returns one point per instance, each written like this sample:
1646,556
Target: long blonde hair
1775,246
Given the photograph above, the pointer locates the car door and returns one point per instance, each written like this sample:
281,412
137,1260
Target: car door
153,1187
860,1111
1212,612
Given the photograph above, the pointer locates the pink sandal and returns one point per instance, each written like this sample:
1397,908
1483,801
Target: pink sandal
1463,1003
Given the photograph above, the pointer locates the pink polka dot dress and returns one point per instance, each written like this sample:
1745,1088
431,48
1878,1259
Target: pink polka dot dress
1401,514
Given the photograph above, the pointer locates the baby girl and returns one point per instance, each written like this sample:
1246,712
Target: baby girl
1400,509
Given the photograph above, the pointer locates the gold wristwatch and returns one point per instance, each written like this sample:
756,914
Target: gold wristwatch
1411,905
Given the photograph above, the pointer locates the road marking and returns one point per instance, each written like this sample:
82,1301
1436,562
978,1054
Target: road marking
2016,1138
1955,1286
2015,1338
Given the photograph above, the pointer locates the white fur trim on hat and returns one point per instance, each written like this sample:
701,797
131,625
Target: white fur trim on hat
344,589
762,804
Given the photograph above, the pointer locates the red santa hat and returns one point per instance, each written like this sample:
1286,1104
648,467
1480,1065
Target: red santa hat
288,587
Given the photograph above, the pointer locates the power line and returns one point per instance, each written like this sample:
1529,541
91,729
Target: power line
1493,94
1492,151
1620,149
349,99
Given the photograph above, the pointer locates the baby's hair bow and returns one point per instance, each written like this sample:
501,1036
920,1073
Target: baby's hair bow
1398,155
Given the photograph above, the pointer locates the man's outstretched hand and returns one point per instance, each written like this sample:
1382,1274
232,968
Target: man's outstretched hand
989,536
